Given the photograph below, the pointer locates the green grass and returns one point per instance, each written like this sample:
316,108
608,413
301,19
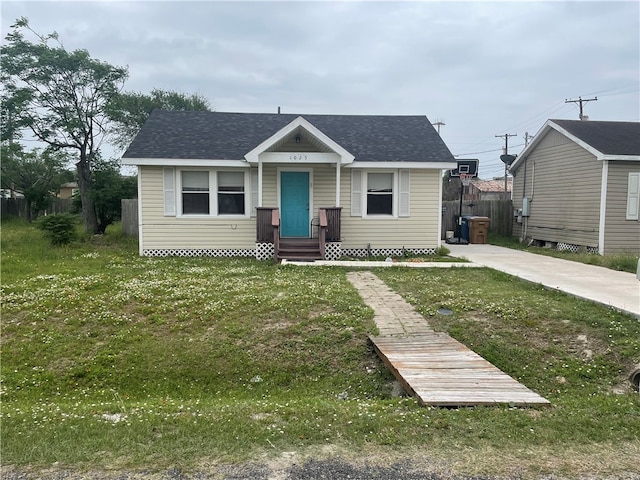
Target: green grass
625,262
112,359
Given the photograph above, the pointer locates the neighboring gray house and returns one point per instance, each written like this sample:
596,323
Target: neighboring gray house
577,185
314,186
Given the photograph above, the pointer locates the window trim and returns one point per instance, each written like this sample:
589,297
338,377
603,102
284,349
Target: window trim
401,198
219,192
181,194
213,193
394,194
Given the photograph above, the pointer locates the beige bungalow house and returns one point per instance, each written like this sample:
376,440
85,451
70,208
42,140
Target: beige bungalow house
288,186
577,186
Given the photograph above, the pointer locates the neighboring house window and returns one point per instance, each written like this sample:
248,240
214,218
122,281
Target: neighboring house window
231,193
195,193
633,196
380,194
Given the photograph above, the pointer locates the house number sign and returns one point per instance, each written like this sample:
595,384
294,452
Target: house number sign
298,157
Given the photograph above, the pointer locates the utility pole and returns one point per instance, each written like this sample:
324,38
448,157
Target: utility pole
580,101
527,137
439,124
506,152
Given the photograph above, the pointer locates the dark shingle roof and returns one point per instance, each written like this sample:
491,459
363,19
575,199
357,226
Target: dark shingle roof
229,136
609,138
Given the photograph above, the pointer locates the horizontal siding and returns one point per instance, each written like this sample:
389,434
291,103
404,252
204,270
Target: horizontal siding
324,186
620,234
518,184
269,186
563,182
160,232
420,230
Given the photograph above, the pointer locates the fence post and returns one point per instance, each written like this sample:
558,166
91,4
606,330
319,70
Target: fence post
129,216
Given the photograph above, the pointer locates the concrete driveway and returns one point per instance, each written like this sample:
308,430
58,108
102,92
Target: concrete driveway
619,290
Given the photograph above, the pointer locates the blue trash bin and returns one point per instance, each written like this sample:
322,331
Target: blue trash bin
464,233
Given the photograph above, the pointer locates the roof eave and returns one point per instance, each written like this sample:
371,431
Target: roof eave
183,162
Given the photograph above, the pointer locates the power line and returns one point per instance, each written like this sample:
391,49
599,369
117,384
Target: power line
487,151
634,86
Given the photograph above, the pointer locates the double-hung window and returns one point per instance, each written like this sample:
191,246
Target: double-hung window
231,193
379,193
208,192
195,193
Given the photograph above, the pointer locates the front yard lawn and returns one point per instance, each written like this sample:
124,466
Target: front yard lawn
112,360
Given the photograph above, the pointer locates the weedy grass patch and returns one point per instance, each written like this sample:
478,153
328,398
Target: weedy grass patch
113,359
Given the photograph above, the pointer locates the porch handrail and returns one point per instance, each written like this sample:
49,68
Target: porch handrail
322,229
333,223
275,223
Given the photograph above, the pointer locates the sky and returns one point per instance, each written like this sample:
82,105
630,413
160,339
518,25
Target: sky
480,68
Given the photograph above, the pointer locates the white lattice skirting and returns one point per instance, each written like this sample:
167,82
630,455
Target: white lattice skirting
264,251
387,252
332,251
569,247
199,252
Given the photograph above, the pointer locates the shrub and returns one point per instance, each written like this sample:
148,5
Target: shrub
59,228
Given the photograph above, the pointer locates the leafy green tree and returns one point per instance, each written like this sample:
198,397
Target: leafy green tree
37,175
130,110
63,97
109,188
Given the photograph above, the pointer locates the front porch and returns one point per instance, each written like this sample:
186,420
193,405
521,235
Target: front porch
322,243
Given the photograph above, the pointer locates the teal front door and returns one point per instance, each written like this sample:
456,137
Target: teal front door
294,204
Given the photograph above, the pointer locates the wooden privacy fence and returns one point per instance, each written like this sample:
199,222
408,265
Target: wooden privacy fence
17,207
129,216
499,211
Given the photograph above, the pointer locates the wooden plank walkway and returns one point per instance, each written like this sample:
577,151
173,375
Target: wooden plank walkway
441,371
431,366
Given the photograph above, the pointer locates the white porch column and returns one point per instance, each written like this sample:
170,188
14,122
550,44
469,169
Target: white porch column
338,164
259,182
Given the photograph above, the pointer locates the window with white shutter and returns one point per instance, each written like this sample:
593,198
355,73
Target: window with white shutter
169,188
404,187
254,191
